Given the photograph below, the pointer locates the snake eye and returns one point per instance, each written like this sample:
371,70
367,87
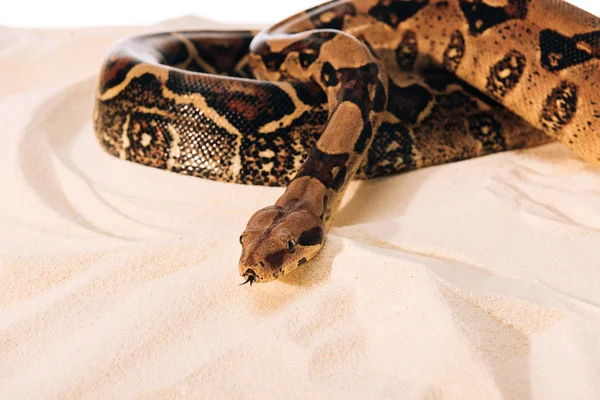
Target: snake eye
291,246
241,236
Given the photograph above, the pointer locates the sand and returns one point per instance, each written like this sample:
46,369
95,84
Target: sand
479,279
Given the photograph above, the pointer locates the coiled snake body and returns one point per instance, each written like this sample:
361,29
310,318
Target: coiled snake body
360,88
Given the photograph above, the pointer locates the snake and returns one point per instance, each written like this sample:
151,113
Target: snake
349,89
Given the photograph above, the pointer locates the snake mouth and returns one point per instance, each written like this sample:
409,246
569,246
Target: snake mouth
251,277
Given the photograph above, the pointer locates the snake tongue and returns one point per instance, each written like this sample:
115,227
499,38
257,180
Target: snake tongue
251,278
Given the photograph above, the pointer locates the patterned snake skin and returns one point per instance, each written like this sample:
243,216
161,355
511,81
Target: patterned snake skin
350,89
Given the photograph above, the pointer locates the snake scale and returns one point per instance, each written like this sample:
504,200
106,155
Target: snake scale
349,89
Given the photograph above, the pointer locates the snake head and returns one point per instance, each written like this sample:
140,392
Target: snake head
278,240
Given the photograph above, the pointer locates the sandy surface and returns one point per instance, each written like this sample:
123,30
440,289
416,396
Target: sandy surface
479,279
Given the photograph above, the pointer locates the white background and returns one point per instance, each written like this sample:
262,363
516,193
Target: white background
70,13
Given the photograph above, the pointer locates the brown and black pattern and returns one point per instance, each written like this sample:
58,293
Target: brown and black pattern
355,85
482,16
505,74
173,51
311,93
439,137
391,150
408,103
331,17
407,51
146,136
395,12
455,51
422,91
248,107
307,48
560,106
115,70
327,168
222,51
486,129
273,158
559,52
204,150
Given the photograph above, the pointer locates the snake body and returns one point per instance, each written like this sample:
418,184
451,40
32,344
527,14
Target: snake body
350,89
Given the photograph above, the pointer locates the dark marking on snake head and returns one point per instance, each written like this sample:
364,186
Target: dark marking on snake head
505,74
275,260
407,51
560,106
393,13
301,261
482,17
311,237
454,52
559,52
